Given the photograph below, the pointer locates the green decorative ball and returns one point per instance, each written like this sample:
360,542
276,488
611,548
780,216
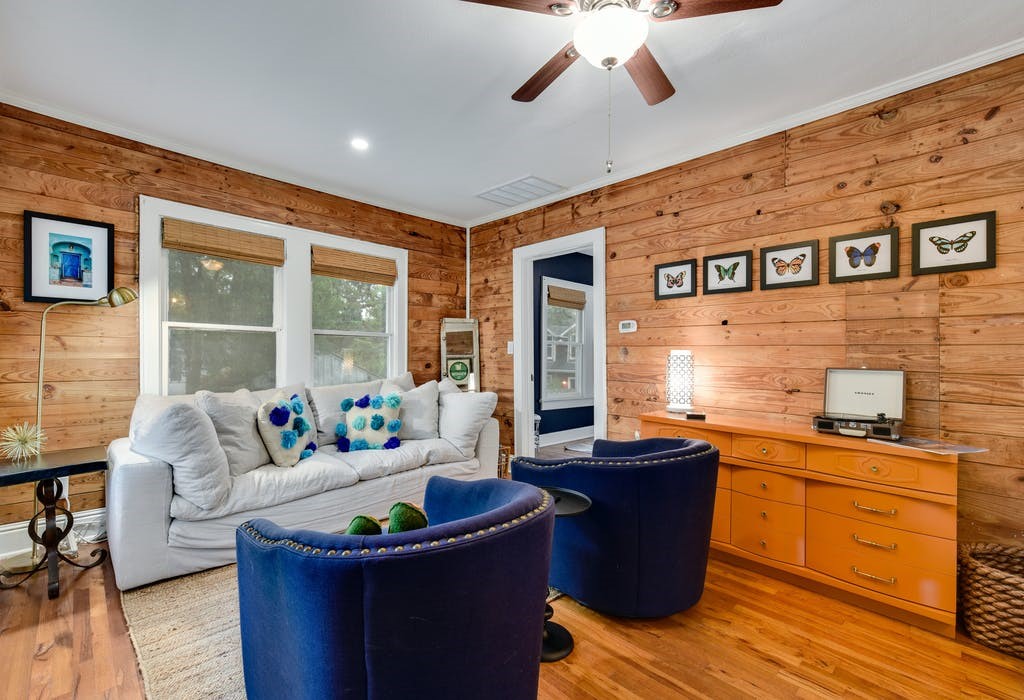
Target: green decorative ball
404,517
364,525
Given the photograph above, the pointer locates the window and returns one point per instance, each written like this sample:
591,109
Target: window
230,302
567,370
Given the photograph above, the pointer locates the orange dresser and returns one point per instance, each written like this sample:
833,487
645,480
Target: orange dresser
872,521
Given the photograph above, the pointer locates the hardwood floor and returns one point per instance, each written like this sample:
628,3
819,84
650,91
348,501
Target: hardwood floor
751,636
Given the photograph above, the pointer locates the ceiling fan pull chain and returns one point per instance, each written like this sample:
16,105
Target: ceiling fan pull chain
608,163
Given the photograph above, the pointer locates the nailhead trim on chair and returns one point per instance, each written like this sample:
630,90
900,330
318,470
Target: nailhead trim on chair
599,462
546,502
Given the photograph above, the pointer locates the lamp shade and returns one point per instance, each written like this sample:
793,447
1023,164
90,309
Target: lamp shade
679,381
119,296
609,37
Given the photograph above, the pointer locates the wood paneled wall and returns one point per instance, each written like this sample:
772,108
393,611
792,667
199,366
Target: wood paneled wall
92,355
947,149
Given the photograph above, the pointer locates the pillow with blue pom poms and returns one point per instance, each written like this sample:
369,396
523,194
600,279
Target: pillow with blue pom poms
286,430
371,423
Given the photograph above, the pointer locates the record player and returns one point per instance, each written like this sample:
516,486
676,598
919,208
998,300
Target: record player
863,403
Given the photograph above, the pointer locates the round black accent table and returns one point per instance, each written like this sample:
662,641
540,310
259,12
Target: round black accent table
558,642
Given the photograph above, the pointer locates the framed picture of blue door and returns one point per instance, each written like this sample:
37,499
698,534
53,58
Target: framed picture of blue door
67,259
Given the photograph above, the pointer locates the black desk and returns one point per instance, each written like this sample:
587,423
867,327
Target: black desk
47,469
558,642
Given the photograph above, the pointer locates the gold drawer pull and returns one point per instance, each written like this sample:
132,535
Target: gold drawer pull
891,512
764,514
890,581
764,450
762,543
764,485
869,543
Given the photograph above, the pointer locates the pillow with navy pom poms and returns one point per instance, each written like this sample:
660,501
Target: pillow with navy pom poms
286,430
371,423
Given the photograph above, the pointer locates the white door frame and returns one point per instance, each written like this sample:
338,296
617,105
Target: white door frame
592,242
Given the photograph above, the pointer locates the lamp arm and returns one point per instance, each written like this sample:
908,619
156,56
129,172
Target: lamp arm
42,349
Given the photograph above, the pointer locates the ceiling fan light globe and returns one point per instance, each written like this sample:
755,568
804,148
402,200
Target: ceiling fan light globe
610,36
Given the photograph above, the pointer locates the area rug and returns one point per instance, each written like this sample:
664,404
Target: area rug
186,637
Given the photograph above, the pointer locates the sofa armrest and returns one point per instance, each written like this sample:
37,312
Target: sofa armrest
139,491
487,448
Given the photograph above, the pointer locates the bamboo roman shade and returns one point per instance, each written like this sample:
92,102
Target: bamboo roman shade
566,298
190,237
358,267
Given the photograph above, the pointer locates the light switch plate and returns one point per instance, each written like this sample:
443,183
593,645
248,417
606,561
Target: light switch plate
627,326
510,347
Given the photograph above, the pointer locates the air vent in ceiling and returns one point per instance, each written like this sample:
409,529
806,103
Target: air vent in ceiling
520,191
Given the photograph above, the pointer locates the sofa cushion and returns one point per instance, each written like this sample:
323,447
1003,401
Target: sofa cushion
373,464
371,423
326,404
271,485
286,431
184,437
149,406
264,395
234,418
403,382
462,416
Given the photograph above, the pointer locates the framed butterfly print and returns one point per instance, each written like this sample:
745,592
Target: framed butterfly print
728,273
869,255
790,265
675,279
960,243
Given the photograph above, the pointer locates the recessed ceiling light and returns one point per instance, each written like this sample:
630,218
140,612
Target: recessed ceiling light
360,144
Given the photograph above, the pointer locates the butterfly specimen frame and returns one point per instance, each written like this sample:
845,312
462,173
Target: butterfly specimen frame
960,243
676,279
789,265
728,273
869,255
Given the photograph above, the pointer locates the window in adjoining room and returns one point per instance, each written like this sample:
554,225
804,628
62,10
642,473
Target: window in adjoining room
567,370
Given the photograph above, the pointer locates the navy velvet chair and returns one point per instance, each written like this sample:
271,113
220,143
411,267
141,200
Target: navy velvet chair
455,610
641,549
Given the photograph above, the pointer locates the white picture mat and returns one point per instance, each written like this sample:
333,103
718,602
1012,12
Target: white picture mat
740,279
977,248
864,393
806,271
883,261
41,287
687,286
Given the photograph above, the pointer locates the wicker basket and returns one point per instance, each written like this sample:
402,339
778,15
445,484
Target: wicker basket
992,595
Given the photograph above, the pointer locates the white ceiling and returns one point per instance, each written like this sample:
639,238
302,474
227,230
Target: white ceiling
279,87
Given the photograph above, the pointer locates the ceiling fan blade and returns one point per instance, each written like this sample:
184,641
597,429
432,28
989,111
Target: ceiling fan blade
558,8
699,8
654,85
547,74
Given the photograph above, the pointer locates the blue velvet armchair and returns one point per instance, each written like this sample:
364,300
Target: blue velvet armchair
641,549
454,610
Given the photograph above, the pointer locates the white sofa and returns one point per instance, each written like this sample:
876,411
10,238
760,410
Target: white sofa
155,533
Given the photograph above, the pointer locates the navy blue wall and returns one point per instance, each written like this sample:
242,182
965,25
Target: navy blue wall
574,267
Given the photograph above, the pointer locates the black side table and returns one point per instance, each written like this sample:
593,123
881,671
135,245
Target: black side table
47,469
558,642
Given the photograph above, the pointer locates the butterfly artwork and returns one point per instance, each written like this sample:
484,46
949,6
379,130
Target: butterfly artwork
727,273
675,280
868,256
794,266
958,244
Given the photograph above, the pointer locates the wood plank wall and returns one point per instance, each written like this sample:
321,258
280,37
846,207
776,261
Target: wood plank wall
92,355
947,149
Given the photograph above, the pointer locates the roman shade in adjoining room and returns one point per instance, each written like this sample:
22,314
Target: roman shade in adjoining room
566,298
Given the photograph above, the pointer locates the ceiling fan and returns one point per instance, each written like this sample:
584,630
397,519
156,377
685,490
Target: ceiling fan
612,33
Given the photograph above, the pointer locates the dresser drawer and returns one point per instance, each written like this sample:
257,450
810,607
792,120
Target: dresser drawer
773,530
696,431
893,577
908,472
723,514
762,484
884,509
758,449
879,545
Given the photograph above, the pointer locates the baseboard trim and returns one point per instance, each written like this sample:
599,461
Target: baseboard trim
547,439
14,538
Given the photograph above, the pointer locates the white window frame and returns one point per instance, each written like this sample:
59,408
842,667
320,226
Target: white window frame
293,297
584,395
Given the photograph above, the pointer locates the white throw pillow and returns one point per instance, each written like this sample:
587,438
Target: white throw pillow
184,437
264,395
326,404
149,406
463,416
419,412
448,386
403,382
234,417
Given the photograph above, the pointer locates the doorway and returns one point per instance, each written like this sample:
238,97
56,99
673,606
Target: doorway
528,262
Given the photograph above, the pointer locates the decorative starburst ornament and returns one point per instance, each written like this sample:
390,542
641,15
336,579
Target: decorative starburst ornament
21,441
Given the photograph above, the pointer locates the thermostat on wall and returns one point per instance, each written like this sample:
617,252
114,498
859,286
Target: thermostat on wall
627,326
